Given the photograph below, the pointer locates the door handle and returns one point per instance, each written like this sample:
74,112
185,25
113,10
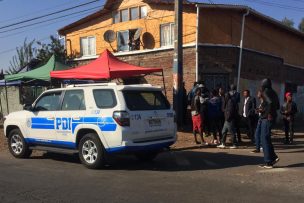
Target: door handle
51,118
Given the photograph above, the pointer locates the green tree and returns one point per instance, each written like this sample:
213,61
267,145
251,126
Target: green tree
288,22
54,47
34,54
24,57
301,25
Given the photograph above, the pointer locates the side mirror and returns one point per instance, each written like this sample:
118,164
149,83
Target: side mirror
27,107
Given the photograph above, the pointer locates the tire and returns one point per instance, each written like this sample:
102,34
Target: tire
17,145
91,151
146,156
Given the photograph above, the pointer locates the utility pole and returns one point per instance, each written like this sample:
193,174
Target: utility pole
178,62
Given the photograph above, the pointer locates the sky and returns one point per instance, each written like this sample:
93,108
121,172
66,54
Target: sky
15,11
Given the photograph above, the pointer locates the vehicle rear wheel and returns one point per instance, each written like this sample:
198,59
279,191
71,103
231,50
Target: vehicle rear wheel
91,151
17,145
146,156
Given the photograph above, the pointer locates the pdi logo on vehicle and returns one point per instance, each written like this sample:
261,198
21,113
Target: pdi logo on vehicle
63,124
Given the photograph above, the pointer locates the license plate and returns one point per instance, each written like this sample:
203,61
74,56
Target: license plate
154,122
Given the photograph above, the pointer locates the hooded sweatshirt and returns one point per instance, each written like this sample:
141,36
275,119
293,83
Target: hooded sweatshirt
271,97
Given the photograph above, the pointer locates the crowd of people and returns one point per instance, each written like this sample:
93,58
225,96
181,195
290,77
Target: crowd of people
216,113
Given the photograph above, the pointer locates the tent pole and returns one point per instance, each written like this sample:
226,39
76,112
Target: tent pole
1,103
6,97
164,83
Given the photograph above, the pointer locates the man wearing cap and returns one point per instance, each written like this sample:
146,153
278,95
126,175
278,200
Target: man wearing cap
288,110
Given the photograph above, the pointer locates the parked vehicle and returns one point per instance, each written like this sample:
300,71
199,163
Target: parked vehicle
94,120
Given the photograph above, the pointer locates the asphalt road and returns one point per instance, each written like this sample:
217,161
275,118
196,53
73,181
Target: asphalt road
183,175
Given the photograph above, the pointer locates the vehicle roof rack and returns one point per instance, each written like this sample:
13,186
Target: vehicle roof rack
93,84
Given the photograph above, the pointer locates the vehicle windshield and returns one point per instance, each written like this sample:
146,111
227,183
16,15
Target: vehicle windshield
139,100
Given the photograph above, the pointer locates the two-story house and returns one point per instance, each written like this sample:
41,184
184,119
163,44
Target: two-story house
141,33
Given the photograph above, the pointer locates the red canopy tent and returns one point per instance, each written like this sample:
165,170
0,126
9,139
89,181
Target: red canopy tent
106,66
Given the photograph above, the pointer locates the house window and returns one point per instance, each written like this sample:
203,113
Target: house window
143,11
126,40
134,15
116,17
167,34
88,46
124,15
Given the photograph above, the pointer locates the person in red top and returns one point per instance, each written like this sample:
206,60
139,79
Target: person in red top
288,110
197,121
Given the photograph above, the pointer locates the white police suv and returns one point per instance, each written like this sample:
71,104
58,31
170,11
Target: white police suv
94,120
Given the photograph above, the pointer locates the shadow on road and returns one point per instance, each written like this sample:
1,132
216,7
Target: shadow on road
168,161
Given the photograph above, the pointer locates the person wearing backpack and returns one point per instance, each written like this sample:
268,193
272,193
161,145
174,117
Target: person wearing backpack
268,116
214,114
288,110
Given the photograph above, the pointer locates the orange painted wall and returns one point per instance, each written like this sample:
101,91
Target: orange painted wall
157,15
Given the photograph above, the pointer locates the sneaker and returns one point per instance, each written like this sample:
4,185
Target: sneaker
222,146
268,166
233,147
275,161
215,142
255,151
205,144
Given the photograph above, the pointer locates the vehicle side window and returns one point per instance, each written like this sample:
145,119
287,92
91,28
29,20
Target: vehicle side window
104,98
73,100
48,102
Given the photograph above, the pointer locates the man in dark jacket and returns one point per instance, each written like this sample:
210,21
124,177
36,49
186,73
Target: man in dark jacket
288,110
272,98
230,118
237,98
249,114
268,116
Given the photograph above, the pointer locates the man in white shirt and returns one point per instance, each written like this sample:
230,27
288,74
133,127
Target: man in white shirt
249,114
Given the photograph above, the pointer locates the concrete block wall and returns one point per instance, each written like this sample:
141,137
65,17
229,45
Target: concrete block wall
13,100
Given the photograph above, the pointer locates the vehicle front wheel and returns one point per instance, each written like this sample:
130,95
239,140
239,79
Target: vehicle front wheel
91,152
17,145
146,156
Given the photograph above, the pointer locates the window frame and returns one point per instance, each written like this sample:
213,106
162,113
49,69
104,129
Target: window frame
117,37
130,13
140,16
62,100
81,45
45,94
113,94
171,24
113,16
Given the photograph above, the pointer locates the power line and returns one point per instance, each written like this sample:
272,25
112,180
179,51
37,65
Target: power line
16,33
278,5
49,14
45,21
37,11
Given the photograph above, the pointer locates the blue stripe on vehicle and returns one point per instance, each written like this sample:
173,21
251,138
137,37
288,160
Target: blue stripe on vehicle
54,143
104,123
42,126
41,120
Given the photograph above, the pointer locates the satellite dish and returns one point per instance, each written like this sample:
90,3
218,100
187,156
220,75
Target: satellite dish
109,36
148,40
137,34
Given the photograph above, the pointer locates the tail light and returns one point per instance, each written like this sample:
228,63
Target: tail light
122,118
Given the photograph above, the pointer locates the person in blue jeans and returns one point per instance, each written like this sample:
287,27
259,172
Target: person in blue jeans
257,135
268,114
